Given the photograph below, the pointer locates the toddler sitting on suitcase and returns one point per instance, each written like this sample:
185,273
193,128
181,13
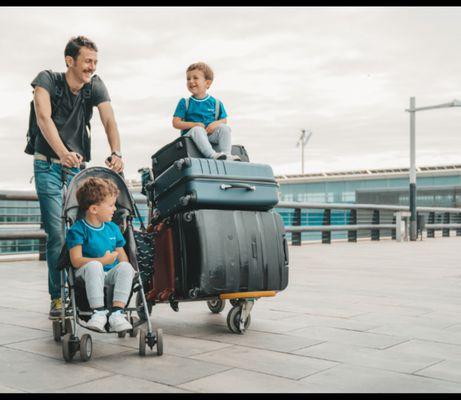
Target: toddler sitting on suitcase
202,117
96,251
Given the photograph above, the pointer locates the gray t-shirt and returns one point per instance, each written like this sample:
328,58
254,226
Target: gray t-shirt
69,118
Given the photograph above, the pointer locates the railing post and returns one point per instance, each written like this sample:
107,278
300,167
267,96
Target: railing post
352,235
431,220
446,220
394,231
458,220
375,221
296,236
326,235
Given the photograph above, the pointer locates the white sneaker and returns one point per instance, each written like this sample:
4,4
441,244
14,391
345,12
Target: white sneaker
98,321
118,322
219,156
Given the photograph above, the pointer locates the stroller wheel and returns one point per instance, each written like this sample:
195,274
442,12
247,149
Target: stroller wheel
159,333
86,347
142,342
216,306
70,345
57,330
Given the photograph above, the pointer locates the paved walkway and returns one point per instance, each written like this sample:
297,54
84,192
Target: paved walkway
356,317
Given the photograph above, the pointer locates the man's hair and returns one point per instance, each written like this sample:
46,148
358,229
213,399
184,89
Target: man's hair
94,191
76,43
201,66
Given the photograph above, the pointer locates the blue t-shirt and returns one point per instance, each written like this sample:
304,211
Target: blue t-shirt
203,110
95,241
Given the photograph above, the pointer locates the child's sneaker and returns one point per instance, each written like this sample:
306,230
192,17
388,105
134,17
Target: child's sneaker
98,321
118,322
219,156
231,157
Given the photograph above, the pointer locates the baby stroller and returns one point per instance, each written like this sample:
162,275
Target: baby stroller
76,309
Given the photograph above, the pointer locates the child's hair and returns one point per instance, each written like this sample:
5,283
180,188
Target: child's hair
94,190
201,66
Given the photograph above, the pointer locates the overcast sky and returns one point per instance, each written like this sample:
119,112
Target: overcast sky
345,73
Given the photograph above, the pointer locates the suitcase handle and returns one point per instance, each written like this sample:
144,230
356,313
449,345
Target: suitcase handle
237,186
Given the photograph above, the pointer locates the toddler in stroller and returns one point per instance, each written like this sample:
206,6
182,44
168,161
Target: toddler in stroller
101,263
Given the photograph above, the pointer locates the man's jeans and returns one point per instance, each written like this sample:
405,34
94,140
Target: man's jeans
48,185
220,136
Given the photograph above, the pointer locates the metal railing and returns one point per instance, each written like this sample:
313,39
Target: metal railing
327,219
375,218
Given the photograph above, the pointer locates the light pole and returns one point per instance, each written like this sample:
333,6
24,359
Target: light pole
303,139
412,110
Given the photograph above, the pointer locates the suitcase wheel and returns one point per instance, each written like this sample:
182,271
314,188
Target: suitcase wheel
233,320
216,306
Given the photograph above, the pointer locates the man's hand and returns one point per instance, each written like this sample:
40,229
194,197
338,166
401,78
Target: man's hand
115,163
71,159
211,127
109,257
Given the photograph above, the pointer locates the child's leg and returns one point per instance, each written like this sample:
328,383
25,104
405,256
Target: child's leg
93,275
121,276
222,137
200,138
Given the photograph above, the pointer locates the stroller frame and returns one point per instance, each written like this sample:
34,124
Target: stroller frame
66,324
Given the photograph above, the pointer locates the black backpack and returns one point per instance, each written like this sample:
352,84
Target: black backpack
56,98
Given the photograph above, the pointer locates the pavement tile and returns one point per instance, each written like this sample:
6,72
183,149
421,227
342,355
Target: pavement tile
447,370
35,373
349,378
429,348
167,369
365,339
364,356
120,384
244,381
14,333
263,340
269,362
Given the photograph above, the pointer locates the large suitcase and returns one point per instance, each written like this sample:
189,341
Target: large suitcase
184,147
192,183
204,253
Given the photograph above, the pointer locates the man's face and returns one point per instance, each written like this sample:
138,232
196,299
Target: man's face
85,64
196,82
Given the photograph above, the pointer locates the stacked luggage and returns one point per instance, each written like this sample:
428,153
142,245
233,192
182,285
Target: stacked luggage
216,236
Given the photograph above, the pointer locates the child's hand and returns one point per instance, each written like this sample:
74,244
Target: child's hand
211,127
109,257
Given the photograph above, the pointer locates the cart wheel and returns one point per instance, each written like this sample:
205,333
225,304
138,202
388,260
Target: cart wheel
233,320
86,347
159,333
68,347
69,326
140,309
216,306
121,334
142,342
134,332
235,302
57,330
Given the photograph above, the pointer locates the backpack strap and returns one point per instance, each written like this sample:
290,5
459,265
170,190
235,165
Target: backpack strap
87,92
56,97
216,113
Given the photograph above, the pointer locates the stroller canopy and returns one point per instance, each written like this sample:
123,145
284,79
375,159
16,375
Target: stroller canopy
124,199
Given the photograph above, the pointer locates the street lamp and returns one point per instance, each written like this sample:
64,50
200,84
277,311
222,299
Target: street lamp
303,139
412,110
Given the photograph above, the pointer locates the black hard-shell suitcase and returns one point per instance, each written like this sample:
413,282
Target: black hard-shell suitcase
184,147
193,183
228,251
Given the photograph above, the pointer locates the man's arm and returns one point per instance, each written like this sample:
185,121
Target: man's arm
178,123
106,113
42,104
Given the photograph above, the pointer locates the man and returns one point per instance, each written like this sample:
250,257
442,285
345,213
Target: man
64,140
